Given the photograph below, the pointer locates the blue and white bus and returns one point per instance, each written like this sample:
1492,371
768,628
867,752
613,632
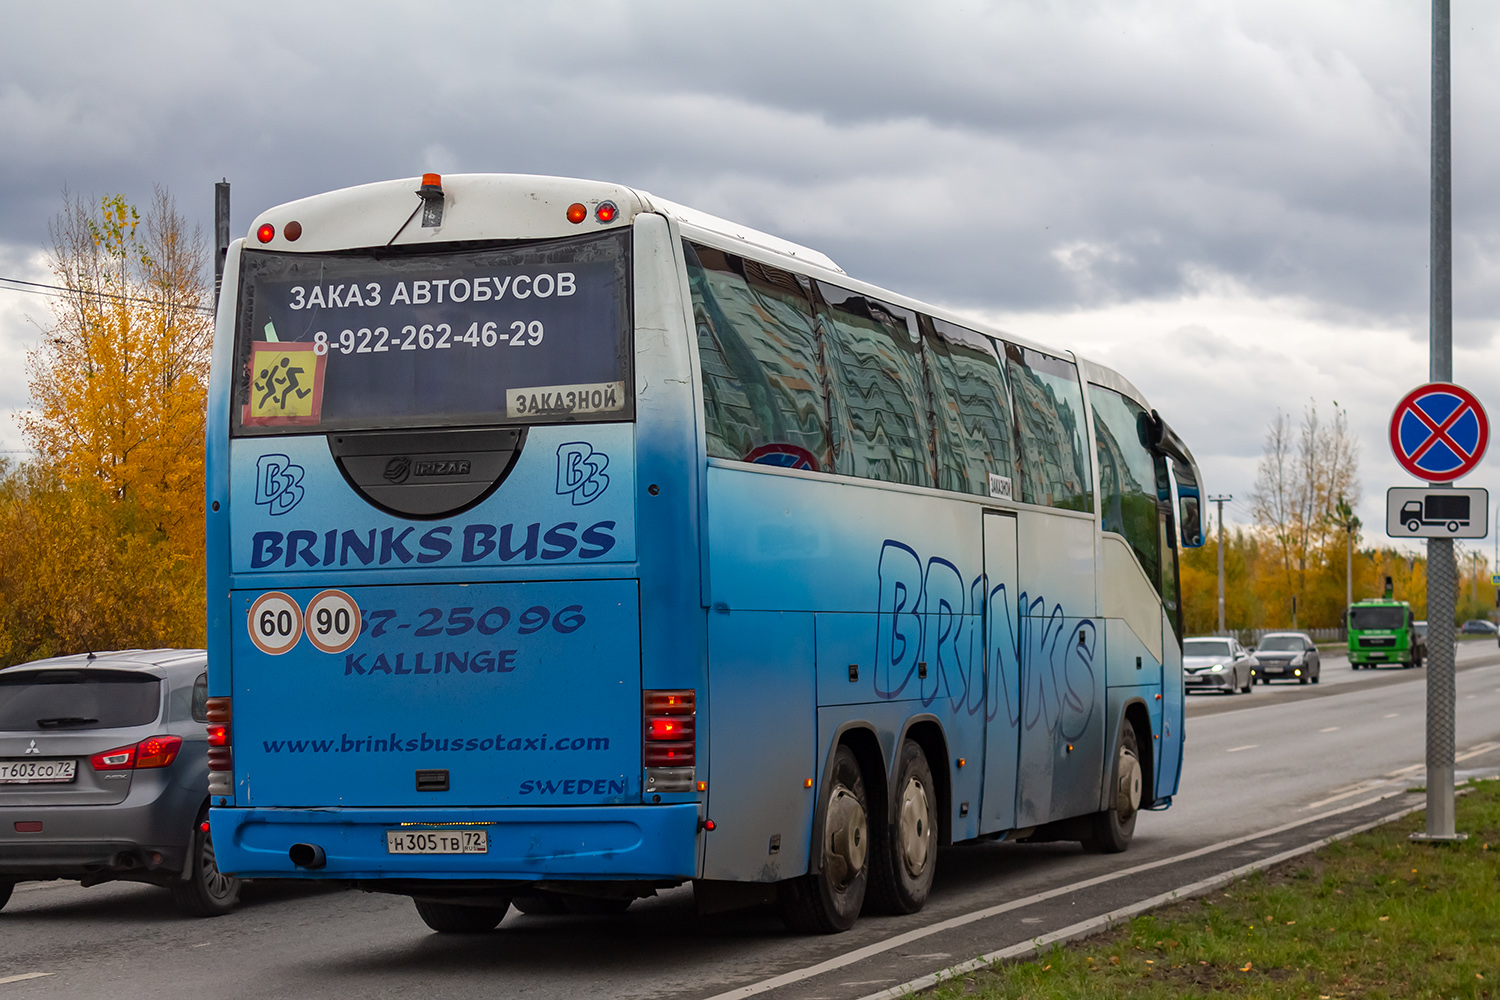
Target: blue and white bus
567,544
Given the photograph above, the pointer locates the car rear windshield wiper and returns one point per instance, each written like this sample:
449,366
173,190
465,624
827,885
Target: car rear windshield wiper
64,720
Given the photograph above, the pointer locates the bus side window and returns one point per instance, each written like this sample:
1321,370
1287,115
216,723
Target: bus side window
763,390
1127,476
1170,598
971,406
1049,414
879,393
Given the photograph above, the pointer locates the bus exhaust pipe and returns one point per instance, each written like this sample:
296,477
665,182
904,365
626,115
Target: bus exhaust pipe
309,856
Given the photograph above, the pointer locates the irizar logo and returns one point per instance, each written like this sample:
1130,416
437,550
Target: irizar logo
278,483
33,748
397,469
580,472
442,467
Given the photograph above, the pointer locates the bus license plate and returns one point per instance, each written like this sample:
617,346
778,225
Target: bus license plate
437,842
37,772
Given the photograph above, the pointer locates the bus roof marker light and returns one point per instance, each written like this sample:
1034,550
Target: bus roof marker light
266,233
606,211
292,230
577,213
431,193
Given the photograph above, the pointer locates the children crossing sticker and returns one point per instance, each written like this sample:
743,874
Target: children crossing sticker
286,384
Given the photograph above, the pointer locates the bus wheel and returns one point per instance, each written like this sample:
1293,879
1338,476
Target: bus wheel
903,865
456,918
828,900
1113,827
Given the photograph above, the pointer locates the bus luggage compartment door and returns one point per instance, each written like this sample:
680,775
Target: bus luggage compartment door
521,693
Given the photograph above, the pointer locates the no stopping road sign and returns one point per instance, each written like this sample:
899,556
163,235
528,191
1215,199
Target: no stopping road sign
1439,432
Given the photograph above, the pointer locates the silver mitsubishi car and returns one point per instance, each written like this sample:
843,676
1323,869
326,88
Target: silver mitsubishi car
104,775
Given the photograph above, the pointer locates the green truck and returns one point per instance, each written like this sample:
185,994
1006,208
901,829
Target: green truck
1382,631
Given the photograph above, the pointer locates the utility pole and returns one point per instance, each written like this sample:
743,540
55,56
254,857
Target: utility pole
1221,501
1350,524
1441,697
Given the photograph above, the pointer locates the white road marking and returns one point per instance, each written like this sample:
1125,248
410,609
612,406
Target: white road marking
1330,729
1476,751
1391,715
24,976
1363,786
1247,746
1086,927
1406,770
870,950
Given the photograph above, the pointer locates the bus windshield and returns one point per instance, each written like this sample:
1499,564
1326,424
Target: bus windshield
1386,616
529,333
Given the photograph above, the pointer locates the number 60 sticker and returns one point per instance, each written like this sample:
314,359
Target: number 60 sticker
332,621
275,623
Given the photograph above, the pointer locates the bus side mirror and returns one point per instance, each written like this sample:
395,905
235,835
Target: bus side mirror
1192,522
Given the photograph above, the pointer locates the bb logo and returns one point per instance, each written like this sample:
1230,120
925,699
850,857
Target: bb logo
278,483
397,469
580,472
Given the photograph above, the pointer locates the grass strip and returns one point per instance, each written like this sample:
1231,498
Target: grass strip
1374,916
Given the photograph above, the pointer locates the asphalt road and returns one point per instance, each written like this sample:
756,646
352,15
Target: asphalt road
1282,755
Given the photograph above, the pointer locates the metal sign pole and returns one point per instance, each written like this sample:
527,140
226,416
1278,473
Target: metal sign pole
1221,500
1441,698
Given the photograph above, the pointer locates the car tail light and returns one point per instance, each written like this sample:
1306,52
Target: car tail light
118,759
668,732
154,751
157,751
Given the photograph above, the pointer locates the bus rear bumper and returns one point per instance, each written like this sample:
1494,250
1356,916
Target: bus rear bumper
656,842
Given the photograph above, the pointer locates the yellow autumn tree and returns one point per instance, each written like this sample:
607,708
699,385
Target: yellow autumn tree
113,502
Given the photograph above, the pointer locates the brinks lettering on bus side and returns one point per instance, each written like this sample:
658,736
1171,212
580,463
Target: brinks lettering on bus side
393,546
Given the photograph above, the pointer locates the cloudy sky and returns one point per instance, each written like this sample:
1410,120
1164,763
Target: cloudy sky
1227,201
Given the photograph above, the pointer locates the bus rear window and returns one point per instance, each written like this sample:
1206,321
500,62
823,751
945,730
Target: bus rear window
376,339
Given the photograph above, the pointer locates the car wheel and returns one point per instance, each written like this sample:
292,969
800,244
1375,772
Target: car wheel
1114,827
1304,679
206,892
456,918
1249,683
905,858
5,891
829,899
1317,675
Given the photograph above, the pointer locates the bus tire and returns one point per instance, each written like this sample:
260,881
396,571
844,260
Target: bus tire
1114,827
903,862
206,892
828,900
456,918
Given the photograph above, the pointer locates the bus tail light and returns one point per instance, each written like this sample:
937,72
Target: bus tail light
220,754
669,740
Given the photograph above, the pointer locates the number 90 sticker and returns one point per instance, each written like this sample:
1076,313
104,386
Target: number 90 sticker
332,621
275,623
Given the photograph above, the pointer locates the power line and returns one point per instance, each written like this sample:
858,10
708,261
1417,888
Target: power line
39,288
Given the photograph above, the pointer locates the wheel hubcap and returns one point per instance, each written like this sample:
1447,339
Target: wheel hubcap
848,840
913,829
1128,790
216,882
